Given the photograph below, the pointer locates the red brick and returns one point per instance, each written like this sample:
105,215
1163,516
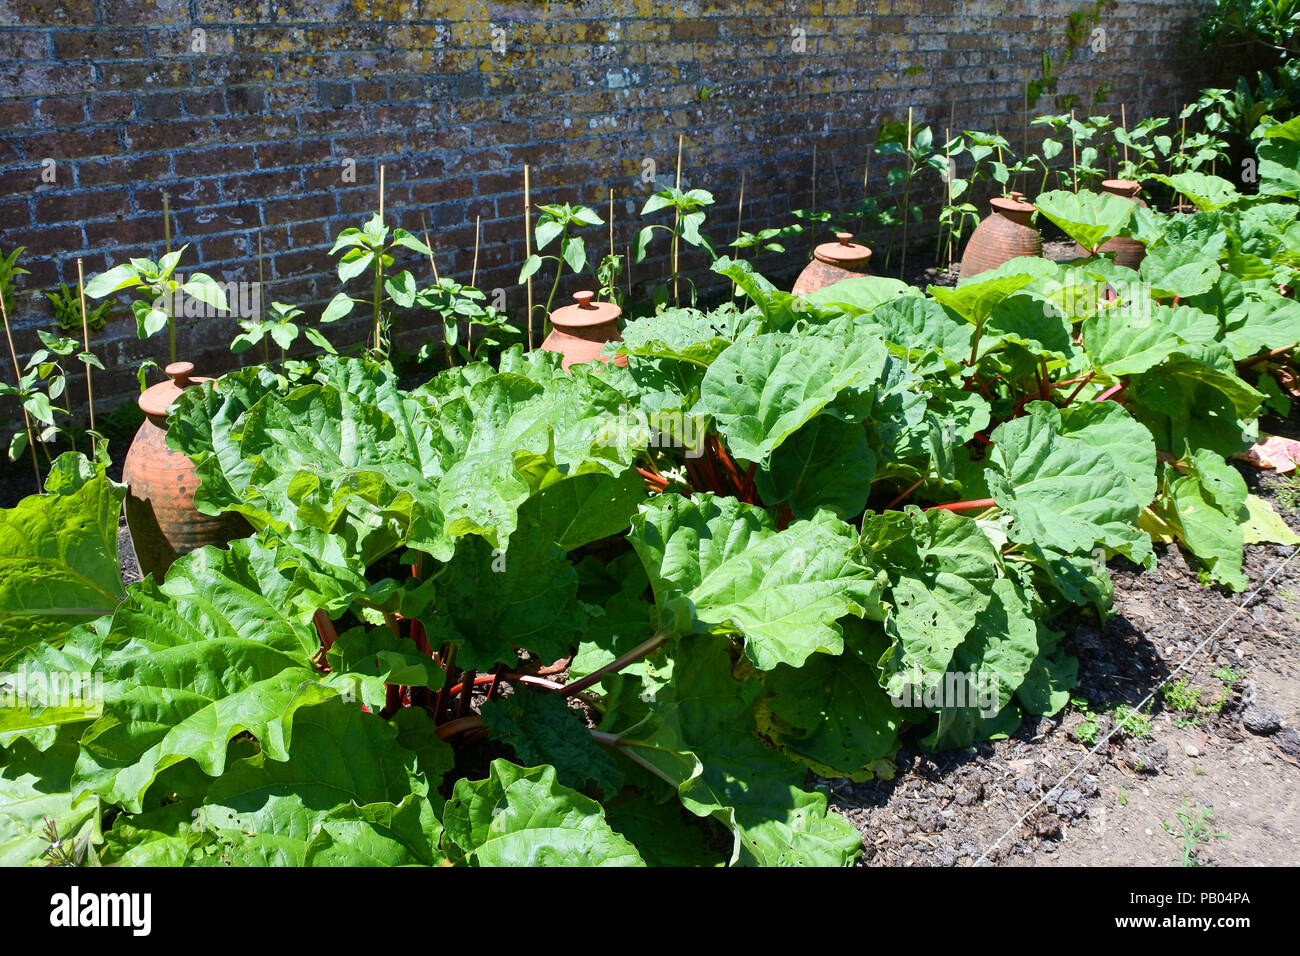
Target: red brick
58,206
136,169
222,159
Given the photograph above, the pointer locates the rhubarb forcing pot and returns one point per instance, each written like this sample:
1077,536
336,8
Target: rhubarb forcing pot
1005,234
581,330
161,483
833,262
1128,252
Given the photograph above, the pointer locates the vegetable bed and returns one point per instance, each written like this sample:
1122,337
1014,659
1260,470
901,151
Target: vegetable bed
518,615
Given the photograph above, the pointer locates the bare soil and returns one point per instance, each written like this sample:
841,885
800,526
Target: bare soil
1225,740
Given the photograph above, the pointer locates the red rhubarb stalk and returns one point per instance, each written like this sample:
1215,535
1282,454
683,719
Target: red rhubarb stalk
977,504
1113,390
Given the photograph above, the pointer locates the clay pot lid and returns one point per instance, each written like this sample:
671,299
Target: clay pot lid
1014,203
844,253
1122,187
157,399
585,312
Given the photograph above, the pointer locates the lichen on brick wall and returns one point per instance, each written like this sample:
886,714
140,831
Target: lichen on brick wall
266,122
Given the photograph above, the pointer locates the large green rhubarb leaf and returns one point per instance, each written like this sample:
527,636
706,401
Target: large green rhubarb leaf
989,667
1061,491
221,648
347,795
1087,218
491,601
1121,343
941,568
833,713
1273,323
34,789
544,729
701,735
826,464
760,391
783,591
1206,192
523,817
58,557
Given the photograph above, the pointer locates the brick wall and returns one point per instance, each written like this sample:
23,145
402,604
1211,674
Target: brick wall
247,125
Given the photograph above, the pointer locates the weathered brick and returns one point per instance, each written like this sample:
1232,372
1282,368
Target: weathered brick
131,169
100,44
254,130
61,206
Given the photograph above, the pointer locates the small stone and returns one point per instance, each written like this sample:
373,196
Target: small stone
1261,720
1048,826
1152,759
1288,741
1190,750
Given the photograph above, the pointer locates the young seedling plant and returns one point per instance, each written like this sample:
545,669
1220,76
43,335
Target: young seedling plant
371,248
162,293
559,222
689,215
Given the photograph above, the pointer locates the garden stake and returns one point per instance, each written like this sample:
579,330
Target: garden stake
528,252
740,217
1123,124
1025,140
379,265
473,272
432,265
677,218
85,335
907,188
18,381
1074,155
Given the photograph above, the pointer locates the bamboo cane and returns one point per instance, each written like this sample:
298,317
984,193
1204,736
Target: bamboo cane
902,258
85,337
261,290
1123,124
740,218
379,268
18,381
677,218
528,249
1074,153
473,271
167,248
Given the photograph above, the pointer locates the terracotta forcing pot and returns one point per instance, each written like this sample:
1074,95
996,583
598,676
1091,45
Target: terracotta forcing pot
161,483
580,331
1003,235
1128,252
833,262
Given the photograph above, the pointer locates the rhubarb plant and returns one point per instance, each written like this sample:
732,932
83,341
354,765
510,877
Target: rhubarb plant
517,615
